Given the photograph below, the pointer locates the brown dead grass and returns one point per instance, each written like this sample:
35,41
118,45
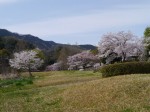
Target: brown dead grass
65,78
74,91
115,94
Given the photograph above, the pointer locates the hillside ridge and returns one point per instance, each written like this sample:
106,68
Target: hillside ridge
38,42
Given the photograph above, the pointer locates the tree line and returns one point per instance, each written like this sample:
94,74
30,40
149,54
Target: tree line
112,48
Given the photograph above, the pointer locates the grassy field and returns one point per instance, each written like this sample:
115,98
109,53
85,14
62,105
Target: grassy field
76,91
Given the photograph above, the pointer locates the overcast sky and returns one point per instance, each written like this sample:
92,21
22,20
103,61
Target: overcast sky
74,21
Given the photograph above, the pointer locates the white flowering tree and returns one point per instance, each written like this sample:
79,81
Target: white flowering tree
123,44
26,60
82,60
54,67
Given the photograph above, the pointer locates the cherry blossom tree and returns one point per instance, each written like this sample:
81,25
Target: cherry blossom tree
54,67
82,60
26,60
124,44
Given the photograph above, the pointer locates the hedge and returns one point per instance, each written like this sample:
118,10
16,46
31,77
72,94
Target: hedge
125,68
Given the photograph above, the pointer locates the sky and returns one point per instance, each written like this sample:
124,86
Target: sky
74,21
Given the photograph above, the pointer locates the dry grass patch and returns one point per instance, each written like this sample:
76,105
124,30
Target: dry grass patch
76,91
66,78
116,94
44,95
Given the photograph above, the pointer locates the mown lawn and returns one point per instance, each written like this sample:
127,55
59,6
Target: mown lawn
76,91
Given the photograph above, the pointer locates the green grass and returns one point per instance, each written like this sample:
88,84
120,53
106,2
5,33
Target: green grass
76,91
17,82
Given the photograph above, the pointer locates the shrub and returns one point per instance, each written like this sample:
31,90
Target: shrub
125,68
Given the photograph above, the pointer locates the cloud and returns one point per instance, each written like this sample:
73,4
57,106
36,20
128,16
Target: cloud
99,20
2,2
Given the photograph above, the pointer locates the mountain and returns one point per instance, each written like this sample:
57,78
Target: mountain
41,44
87,47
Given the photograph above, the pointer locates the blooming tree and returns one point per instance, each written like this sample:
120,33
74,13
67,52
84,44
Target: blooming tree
26,60
124,44
54,67
81,60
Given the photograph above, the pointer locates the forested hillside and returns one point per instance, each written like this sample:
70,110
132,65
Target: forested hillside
39,43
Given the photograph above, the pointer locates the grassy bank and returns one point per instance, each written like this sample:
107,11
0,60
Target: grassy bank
74,91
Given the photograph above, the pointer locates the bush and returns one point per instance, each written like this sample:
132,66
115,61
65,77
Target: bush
125,68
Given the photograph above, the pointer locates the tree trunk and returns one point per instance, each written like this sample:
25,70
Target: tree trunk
30,74
123,57
18,73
